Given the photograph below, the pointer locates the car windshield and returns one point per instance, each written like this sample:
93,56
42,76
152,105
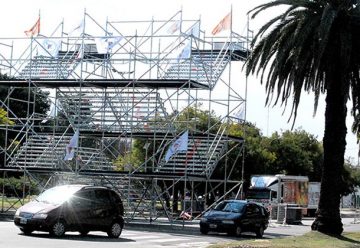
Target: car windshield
235,207
57,195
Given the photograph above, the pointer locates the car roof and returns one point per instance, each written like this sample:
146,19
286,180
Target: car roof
245,202
83,186
240,201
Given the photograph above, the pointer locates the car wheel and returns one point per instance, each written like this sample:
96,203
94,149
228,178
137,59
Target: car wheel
238,231
26,231
204,230
260,232
115,230
58,229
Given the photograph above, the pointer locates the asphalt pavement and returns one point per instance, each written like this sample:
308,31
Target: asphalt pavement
350,219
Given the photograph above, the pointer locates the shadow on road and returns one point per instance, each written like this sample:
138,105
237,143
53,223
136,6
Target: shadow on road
78,237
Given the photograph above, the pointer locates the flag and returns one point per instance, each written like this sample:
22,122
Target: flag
189,155
49,47
80,52
224,24
105,44
70,151
185,52
78,30
34,30
54,108
195,30
240,115
181,144
174,27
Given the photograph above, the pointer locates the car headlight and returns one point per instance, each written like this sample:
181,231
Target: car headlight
17,213
40,216
228,222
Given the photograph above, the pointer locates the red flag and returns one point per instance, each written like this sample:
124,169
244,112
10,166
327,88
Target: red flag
34,30
224,24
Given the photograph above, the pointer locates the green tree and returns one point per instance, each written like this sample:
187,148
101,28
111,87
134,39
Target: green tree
4,120
297,153
258,159
313,46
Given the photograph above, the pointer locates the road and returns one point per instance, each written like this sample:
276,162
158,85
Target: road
11,237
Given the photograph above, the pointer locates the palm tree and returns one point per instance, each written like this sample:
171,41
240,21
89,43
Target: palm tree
314,46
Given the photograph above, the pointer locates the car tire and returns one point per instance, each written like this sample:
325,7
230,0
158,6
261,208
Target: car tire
115,230
260,232
58,229
238,231
204,231
26,231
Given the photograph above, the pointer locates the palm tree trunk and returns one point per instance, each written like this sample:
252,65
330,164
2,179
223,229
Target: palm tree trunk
328,218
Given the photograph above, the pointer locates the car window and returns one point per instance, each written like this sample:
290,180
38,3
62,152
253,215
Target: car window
102,197
57,195
115,199
252,209
236,207
83,198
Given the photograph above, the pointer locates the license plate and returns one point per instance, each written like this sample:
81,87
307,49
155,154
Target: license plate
23,221
213,225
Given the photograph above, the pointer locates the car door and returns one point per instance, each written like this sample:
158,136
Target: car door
78,209
103,208
249,218
258,217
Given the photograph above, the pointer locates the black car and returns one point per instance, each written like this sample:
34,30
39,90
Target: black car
235,217
81,208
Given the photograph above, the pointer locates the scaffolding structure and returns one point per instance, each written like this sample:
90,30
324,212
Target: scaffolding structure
116,85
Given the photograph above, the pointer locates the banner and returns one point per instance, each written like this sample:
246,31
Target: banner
181,144
49,47
70,151
105,44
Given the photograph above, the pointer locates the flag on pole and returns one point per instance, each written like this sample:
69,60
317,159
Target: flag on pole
181,144
240,115
224,24
105,44
70,151
54,109
174,27
49,47
195,30
78,30
189,155
34,30
185,52
80,52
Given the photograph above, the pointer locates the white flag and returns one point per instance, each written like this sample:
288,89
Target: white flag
195,30
181,144
105,44
54,109
49,47
78,30
70,151
240,115
174,27
185,52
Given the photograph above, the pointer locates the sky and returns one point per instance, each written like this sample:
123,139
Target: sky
16,16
